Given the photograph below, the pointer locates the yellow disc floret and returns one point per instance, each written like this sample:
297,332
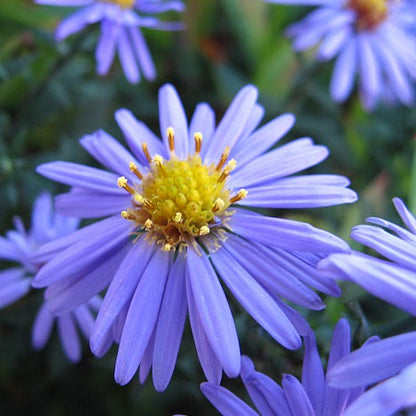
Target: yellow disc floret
178,201
125,4
183,193
370,12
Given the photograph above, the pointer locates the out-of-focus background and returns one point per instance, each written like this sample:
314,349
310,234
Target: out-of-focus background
50,96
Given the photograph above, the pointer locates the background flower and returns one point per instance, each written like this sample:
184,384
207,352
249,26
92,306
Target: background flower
374,39
311,396
121,22
15,282
19,245
177,199
393,280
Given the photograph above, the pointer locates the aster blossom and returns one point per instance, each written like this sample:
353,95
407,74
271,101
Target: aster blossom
310,397
182,221
121,22
392,361
374,39
15,282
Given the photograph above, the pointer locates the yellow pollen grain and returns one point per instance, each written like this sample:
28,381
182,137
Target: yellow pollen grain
178,217
148,224
122,181
138,198
167,247
231,165
204,230
158,160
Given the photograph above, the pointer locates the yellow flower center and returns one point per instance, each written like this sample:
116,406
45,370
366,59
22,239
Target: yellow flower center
370,12
124,4
179,201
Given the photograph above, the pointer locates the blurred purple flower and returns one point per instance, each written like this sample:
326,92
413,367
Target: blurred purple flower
15,282
375,39
121,22
311,397
82,317
392,364
393,280
179,210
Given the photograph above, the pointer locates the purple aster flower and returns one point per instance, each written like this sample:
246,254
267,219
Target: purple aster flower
68,325
372,38
183,225
392,364
392,279
121,22
310,397
15,282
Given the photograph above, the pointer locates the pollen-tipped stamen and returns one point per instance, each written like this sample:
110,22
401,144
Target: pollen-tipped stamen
218,205
144,202
227,170
146,152
127,216
171,139
223,159
241,194
149,205
123,183
133,168
198,142
158,161
138,199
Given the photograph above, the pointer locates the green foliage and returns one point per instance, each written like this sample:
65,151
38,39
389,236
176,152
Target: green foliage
50,96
